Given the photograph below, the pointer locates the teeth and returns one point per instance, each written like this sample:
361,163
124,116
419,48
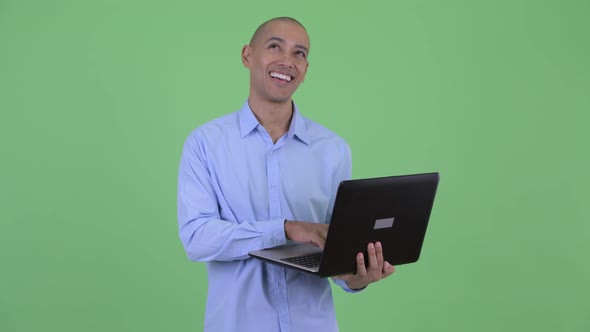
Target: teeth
281,76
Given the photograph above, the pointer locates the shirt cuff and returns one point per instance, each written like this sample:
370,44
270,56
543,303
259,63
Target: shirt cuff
344,286
274,233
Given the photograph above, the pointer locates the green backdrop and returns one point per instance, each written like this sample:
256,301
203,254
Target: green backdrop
97,97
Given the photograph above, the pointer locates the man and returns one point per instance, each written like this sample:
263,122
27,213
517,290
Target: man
244,181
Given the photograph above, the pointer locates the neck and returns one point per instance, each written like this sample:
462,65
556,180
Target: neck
274,117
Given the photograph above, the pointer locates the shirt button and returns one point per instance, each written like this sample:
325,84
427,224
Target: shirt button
280,286
275,240
273,186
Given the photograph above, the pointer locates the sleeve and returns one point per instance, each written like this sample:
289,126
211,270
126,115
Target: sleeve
204,236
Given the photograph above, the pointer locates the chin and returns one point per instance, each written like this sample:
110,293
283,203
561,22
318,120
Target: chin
280,100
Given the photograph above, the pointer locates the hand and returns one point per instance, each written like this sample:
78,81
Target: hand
377,270
307,232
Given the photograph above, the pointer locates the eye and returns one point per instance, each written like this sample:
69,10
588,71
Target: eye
273,46
301,54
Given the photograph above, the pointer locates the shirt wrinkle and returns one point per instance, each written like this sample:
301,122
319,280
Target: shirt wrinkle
220,165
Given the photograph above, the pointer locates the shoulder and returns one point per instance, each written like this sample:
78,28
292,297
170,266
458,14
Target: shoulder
319,134
210,134
216,129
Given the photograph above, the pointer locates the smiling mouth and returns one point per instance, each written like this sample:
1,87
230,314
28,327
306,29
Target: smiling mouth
282,77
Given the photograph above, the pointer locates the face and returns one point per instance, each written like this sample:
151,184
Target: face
277,60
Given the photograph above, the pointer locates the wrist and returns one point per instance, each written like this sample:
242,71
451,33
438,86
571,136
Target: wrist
355,288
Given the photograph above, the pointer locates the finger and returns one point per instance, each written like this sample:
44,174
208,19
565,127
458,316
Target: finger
372,257
320,242
361,270
317,237
379,254
388,269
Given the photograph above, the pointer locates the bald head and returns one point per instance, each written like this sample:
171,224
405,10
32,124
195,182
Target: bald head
277,60
260,31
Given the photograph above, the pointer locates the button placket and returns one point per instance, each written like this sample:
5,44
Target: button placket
273,177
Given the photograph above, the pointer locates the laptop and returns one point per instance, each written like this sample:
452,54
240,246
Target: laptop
393,210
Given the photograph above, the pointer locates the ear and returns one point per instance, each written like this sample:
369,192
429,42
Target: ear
246,54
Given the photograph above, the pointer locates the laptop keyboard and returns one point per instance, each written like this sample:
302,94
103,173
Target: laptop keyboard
312,260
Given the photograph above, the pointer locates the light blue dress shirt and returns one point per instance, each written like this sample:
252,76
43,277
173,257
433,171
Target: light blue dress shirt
235,189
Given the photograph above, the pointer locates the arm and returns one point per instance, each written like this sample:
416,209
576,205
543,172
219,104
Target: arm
204,235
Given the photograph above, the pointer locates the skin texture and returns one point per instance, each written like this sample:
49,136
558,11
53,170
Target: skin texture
281,46
378,268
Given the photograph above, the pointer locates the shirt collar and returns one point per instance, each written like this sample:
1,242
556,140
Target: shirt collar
248,123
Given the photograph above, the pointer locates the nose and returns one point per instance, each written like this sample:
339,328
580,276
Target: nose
286,60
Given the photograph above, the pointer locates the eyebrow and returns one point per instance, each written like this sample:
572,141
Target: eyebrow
281,40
